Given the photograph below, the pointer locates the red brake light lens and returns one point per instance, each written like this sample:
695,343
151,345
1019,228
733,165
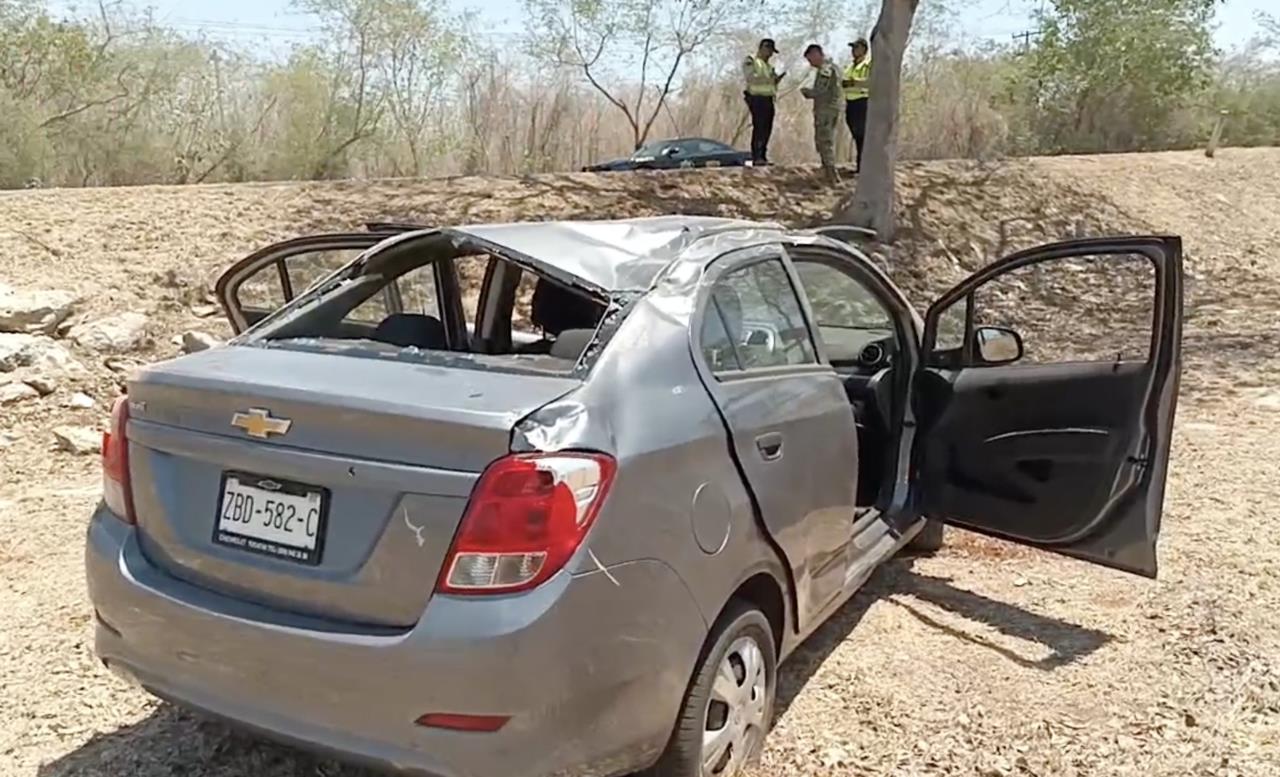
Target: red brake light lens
482,724
527,517
116,488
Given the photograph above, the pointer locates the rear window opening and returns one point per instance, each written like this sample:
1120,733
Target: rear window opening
435,299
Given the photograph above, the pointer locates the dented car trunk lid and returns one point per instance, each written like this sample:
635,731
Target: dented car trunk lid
394,447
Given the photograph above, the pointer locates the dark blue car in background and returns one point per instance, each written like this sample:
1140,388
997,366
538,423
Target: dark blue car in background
673,154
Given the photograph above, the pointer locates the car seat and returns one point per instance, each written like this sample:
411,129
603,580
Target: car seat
412,330
556,310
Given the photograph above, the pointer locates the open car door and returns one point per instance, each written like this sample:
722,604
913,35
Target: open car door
1046,399
266,280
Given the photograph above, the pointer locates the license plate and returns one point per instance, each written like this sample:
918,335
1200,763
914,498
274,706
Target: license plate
271,517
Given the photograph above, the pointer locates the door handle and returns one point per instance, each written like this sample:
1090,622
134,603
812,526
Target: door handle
770,446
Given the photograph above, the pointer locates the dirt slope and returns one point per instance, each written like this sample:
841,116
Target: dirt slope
984,660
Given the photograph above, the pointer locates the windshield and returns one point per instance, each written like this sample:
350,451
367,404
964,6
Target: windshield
652,149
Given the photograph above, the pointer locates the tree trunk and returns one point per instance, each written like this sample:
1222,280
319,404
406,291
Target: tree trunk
873,204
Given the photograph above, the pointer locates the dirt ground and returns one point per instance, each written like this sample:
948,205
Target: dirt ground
984,660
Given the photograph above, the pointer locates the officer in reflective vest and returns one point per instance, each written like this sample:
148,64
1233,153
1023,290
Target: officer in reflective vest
857,83
762,87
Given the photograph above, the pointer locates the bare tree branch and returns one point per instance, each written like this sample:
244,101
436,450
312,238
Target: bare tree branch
662,35
233,147
586,64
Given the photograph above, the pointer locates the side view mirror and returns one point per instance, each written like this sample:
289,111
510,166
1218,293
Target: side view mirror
995,345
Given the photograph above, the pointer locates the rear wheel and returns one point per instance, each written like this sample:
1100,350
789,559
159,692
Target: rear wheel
729,705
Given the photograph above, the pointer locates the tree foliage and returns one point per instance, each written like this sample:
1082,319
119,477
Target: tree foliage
1106,73
405,87
381,63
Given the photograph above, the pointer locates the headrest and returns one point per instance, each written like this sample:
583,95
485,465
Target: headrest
571,343
555,309
412,330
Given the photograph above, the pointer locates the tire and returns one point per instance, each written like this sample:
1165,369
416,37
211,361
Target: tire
929,540
729,643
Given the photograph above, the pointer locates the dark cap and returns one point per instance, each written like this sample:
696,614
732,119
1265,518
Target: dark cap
860,42
769,42
811,48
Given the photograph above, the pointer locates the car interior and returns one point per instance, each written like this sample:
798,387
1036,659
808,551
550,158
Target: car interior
408,297
863,343
521,312
869,383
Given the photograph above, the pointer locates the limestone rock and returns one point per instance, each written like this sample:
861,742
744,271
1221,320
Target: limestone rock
194,341
114,334
80,440
41,353
34,312
13,393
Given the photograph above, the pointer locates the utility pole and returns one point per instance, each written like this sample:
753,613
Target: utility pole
217,77
1026,37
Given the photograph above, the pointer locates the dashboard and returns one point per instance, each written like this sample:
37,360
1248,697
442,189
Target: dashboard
863,350
865,359
878,354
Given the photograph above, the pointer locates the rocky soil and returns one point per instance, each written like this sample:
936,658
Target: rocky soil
984,660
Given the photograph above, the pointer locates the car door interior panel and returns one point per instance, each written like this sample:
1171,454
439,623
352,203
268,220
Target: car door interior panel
1054,439
1069,456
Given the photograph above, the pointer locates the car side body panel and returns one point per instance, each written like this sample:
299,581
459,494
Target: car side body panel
678,496
794,439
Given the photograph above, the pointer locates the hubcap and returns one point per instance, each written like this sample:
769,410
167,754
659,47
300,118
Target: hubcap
737,709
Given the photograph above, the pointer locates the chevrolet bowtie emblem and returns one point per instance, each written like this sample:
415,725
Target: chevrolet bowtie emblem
258,422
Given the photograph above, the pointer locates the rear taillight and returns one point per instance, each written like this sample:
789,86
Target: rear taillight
479,724
527,516
116,491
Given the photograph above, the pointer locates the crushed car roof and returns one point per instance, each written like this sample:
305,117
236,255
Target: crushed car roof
612,256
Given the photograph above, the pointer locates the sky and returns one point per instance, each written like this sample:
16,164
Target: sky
273,23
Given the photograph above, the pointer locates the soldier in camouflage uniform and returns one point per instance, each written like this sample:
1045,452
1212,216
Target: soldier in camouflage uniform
828,102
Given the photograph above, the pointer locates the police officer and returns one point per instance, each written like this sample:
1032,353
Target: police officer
827,98
857,88
762,87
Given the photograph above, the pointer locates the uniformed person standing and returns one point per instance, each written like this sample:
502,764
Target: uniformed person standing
827,100
762,87
857,89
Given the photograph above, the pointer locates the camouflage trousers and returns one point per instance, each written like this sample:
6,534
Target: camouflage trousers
824,138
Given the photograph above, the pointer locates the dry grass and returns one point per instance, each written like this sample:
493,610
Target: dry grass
985,660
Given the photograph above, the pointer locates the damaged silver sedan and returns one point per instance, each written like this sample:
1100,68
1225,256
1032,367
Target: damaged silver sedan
557,498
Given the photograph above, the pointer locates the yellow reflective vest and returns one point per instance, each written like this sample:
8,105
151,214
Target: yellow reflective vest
858,71
761,78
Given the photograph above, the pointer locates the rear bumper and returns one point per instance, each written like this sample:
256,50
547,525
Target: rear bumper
591,668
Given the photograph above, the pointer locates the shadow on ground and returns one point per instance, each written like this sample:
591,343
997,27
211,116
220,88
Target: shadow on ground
900,585
172,741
